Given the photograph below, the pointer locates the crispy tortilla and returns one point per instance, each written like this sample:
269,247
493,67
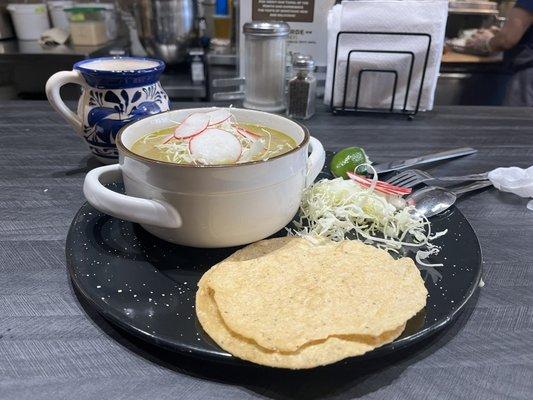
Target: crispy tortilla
310,355
298,293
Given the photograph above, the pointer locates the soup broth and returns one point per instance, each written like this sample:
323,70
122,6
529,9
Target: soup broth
216,144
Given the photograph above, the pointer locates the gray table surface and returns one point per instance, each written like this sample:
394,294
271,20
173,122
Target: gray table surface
52,346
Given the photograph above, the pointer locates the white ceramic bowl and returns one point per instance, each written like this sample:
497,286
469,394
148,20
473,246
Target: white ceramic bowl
207,206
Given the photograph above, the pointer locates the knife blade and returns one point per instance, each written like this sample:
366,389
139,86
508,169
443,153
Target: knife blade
443,155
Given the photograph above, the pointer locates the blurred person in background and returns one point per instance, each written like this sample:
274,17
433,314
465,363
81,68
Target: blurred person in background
515,38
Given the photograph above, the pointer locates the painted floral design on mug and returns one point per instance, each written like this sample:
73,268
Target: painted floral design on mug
110,110
116,91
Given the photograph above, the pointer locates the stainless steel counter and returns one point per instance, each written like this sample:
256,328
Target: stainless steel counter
25,67
17,48
179,86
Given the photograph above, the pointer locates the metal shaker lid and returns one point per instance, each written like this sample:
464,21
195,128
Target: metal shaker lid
303,61
266,28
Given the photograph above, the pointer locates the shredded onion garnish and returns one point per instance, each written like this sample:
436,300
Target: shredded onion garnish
337,209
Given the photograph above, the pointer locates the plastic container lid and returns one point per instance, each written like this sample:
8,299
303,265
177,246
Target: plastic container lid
34,8
81,14
266,28
84,10
221,7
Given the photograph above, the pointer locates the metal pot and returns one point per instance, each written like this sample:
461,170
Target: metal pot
167,28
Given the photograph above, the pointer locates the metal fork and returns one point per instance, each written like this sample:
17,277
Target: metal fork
413,177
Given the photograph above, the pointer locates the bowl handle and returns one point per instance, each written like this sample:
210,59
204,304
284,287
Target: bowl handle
143,211
316,160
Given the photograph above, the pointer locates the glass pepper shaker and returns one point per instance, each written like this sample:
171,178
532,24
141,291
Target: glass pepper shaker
301,96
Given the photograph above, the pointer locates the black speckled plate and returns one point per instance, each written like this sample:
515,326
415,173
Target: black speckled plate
147,286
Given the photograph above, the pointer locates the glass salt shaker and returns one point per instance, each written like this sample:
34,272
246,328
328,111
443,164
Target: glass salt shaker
301,96
264,63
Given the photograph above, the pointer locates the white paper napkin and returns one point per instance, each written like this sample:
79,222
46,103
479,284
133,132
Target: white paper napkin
514,180
406,16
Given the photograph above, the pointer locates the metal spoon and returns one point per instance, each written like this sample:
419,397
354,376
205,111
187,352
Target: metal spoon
433,200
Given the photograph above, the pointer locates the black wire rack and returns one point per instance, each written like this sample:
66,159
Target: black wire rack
390,110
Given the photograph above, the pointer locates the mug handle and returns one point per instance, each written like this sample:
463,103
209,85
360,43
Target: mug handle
53,86
315,162
143,211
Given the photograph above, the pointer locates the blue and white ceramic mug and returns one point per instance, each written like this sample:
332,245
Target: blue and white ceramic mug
115,92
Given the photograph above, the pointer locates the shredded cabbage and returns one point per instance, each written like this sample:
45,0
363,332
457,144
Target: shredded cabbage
338,208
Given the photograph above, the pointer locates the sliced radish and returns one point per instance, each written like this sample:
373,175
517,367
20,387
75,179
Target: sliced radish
218,116
380,186
192,125
248,134
215,146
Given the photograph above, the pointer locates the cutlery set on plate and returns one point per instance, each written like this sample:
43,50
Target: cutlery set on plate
434,198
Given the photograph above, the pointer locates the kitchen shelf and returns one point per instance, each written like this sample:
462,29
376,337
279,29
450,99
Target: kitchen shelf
18,48
178,85
453,57
473,11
